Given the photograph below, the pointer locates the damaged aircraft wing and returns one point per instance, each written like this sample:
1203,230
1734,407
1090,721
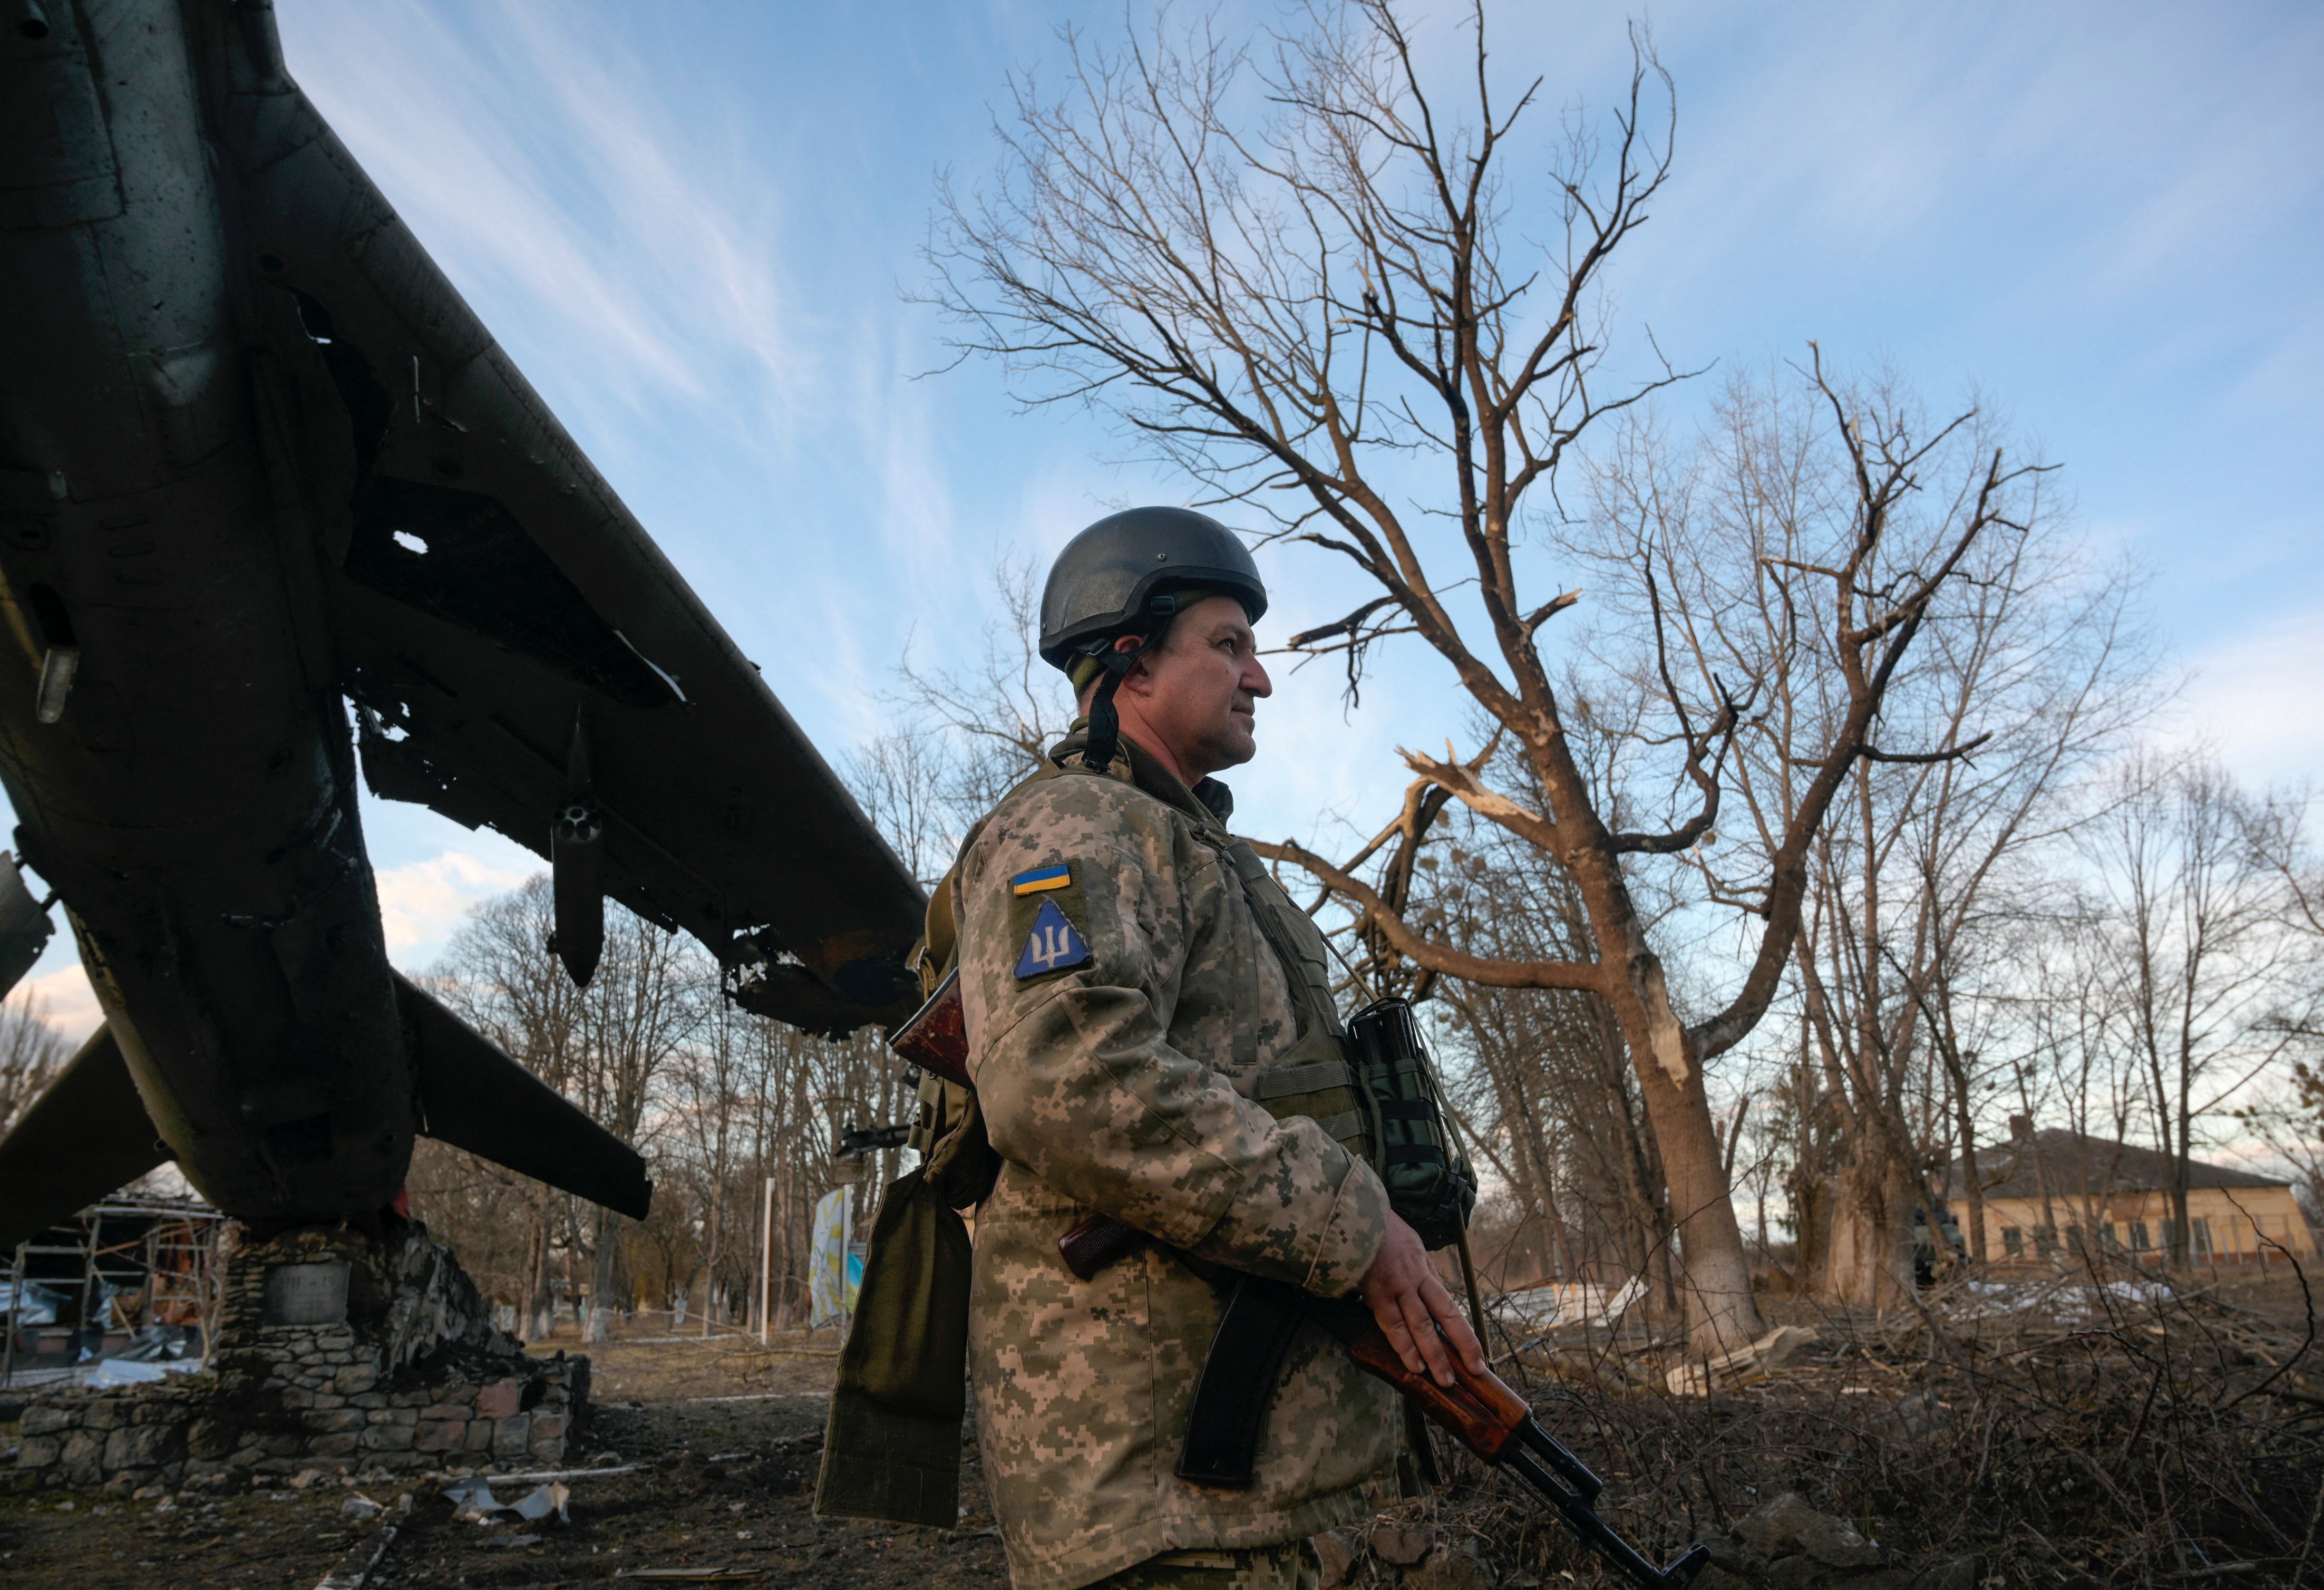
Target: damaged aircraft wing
258,461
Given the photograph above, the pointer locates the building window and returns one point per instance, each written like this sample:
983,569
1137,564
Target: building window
2138,1243
2045,1240
2013,1241
2202,1230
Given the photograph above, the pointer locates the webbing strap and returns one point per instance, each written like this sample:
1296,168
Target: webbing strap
1314,1076
1311,989
1406,1109
1342,1126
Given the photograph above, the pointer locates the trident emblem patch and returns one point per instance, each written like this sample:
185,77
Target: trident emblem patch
1051,946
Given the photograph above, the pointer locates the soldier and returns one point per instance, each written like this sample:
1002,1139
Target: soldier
1144,1029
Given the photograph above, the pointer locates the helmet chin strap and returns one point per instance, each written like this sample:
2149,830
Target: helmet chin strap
1105,722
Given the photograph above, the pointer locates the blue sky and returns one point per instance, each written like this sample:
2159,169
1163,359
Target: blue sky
695,226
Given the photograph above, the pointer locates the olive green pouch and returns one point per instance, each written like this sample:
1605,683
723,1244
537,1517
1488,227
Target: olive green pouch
891,1450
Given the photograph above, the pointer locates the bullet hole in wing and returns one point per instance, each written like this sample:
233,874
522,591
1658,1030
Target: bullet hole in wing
32,23
50,613
484,573
411,542
390,723
367,401
314,319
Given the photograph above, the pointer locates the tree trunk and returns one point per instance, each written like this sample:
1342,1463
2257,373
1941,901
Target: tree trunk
603,1269
1868,1263
1721,1313
541,1321
1973,1189
711,1257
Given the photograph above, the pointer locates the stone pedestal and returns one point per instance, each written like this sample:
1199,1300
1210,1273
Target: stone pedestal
335,1352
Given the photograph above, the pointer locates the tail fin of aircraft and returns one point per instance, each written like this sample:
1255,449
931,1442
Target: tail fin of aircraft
86,1137
474,1096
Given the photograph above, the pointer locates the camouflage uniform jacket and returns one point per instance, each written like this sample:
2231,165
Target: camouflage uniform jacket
1116,1065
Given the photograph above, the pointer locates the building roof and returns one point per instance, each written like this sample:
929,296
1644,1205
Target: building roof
2076,1166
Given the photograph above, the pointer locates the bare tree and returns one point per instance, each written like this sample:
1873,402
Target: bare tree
2032,672
965,736
1309,308
2196,946
603,1047
31,1053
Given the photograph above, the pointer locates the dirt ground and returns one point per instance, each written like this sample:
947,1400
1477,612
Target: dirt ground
722,1440
725,1440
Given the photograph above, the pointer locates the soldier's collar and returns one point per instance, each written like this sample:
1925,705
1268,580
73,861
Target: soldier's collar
1208,801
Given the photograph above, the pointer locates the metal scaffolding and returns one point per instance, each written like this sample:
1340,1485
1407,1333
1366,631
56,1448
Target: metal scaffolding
149,1261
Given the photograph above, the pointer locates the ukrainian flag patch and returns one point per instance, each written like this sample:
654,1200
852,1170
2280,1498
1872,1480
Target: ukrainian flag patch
1051,946
1040,879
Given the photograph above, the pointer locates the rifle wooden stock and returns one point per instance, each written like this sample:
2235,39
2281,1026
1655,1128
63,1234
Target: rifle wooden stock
1097,1242
936,1038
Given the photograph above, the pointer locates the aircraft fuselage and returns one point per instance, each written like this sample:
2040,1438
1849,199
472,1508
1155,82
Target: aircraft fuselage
193,801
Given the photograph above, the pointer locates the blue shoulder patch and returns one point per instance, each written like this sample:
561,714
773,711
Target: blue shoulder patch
1051,946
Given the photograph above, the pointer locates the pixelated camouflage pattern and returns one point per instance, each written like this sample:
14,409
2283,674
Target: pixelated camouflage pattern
1292,1566
1125,1085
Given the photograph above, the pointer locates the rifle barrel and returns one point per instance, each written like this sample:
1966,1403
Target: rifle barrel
1600,1536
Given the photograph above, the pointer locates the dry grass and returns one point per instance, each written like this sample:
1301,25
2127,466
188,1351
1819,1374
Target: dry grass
647,1363
2084,1432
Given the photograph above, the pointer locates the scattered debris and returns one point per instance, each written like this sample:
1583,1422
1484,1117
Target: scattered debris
1788,1526
543,1501
1742,1366
551,1476
355,1568
1567,1302
1403,1544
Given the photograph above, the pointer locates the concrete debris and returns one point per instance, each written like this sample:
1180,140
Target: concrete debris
1455,1568
1401,1544
1787,1526
1785,1544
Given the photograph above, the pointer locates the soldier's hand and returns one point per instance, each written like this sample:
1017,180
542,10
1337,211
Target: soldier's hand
1415,1312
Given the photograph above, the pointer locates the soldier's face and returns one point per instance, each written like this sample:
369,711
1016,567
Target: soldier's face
1197,696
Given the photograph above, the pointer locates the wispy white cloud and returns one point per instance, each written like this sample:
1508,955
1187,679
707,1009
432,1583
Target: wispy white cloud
602,207
421,903
64,999
2254,700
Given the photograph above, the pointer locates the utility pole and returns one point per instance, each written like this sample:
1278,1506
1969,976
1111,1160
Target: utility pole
766,1259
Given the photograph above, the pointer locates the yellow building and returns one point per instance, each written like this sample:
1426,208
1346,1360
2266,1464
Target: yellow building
2056,1194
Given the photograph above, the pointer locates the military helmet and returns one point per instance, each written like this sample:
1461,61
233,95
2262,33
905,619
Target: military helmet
1121,574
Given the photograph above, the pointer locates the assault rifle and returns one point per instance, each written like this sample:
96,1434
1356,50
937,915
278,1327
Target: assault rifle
1255,1333
1480,1411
